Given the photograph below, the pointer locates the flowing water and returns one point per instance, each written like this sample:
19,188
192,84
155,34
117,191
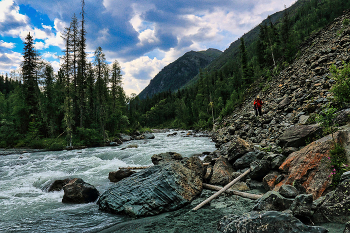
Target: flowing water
26,206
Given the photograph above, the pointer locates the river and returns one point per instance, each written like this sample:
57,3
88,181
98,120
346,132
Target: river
26,206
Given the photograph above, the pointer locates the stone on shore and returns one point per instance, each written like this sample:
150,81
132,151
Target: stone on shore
272,200
269,221
222,172
77,191
116,176
335,206
165,157
160,188
297,136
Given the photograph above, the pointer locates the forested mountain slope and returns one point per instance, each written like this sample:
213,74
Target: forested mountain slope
178,73
298,94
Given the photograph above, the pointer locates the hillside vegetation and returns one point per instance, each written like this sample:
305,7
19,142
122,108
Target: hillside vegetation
223,85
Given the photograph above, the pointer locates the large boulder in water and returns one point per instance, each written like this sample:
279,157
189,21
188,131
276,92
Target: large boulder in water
154,190
57,185
77,191
269,221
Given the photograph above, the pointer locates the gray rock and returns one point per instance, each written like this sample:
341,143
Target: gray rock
335,207
302,205
77,191
148,136
116,176
165,157
297,136
284,103
288,191
259,169
245,160
342,117
345,176
222,172
57,185
277,161
272,200
262,222
154,190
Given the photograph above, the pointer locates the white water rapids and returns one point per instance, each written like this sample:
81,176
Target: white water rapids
26,206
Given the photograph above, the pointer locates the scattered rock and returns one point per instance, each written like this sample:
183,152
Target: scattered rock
259,169
272,200
269,180
57,185
297,136
302,205
269,221
77,191
335,206
116,176
222,171
148,136
235,149
288,191
165,157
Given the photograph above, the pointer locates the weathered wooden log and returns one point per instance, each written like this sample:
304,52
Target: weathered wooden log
132,168
235,192
222,190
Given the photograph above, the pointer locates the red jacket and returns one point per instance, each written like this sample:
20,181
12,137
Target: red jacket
258,103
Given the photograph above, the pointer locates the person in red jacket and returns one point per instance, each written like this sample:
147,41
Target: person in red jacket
257,106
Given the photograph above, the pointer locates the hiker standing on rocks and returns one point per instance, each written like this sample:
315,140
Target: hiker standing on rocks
257,106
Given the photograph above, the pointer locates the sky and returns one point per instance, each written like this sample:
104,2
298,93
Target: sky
142,35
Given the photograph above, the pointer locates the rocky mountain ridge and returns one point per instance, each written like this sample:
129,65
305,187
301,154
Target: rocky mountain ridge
178,73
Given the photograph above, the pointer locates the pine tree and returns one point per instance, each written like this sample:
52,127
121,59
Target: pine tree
30,82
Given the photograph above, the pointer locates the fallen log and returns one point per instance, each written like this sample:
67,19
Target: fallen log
222,190
131,168
235,192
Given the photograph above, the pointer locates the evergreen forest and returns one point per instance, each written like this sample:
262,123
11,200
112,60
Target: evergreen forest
84,103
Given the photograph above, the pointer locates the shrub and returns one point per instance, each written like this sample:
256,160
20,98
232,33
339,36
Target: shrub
87,137
341,89
338,163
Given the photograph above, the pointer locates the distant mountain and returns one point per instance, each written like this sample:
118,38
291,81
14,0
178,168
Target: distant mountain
178,73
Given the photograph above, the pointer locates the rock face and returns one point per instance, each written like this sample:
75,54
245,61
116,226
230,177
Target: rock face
116,176
157,189
296,136
311,166
270,221
77,192
335,206
222,171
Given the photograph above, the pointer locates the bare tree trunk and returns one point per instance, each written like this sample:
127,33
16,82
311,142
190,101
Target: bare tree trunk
222,190
235,192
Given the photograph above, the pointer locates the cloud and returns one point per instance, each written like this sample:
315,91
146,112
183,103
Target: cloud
8,45
10,61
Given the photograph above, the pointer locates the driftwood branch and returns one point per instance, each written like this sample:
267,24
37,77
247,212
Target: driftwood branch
235,192
222,190
131,168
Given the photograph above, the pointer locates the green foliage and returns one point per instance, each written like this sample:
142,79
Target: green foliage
87,137
338,163
346,22
326,119
341,89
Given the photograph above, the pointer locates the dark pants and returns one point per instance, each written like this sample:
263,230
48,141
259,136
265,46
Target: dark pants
258,111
